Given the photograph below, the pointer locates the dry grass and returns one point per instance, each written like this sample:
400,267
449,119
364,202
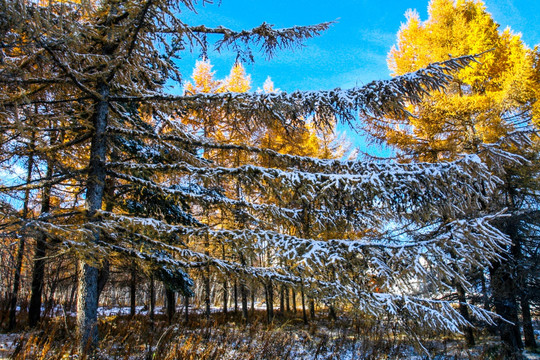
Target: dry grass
226,337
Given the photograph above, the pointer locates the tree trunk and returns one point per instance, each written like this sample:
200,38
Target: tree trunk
243,294
133,291
103,276
38,274
186,309
528,330
152,299
268,298
468,331
312,308
225,284
293,300
504,275
171,304
521,275
287,300
225,297
332,313
87,298
22,243
104,270
87,307
282,299
252,292
503,290
266,302
235,290
507,283
206,279
304,313
271,300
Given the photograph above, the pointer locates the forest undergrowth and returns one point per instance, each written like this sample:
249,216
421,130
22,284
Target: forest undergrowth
226,336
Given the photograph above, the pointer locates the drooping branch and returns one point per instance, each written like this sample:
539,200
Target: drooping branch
378,98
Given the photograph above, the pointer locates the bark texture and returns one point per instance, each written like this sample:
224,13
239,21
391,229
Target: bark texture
87,298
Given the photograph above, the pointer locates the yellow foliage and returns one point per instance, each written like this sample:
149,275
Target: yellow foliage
305,141
238,80
481,103
203,79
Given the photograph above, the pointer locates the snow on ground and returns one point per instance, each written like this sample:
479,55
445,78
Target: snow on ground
7,344
143,310
531,356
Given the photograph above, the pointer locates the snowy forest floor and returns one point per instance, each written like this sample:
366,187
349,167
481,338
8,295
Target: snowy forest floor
226,337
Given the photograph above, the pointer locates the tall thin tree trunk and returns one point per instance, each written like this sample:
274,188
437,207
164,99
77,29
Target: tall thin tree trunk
87,297
528,330
186,309
331,310
244,295
38,274
171,304
469,336
312,308
287,299
252,292
152,299
282,299
206,279
225,297
225,286
54,284
271,299
293,295
132,291
235,291
304,313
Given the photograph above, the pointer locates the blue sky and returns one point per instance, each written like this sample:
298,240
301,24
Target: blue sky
352,52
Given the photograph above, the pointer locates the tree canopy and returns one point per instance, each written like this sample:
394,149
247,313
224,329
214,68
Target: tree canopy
485,102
